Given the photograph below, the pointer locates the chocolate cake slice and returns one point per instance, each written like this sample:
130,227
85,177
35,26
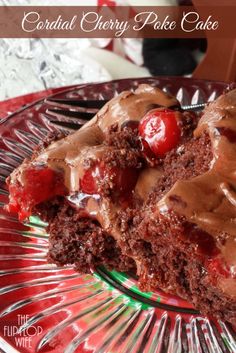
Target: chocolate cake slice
145,187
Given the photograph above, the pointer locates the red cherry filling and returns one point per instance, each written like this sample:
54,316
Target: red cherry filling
40,184
121,181
218,266
205,245
159,129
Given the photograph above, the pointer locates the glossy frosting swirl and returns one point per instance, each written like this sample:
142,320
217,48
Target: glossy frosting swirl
209,200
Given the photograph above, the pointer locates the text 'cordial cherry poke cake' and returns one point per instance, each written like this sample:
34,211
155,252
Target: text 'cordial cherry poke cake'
143,187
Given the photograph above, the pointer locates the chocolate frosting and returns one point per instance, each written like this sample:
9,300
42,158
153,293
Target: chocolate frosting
131,106
209,200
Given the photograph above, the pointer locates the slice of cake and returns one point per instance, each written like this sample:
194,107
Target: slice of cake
145,187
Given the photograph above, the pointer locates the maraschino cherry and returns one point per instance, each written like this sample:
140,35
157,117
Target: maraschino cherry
122,180
40,184
160,131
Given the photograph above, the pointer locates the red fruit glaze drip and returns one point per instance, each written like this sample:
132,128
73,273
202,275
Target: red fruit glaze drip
160,130
122,180
206,246
40,184
204,243
217,266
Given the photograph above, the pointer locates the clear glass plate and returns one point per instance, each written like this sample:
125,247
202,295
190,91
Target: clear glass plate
48,309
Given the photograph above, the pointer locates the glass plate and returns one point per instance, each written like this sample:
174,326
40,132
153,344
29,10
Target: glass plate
48,309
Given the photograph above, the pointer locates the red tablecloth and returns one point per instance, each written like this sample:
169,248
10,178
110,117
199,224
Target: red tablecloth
11,105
